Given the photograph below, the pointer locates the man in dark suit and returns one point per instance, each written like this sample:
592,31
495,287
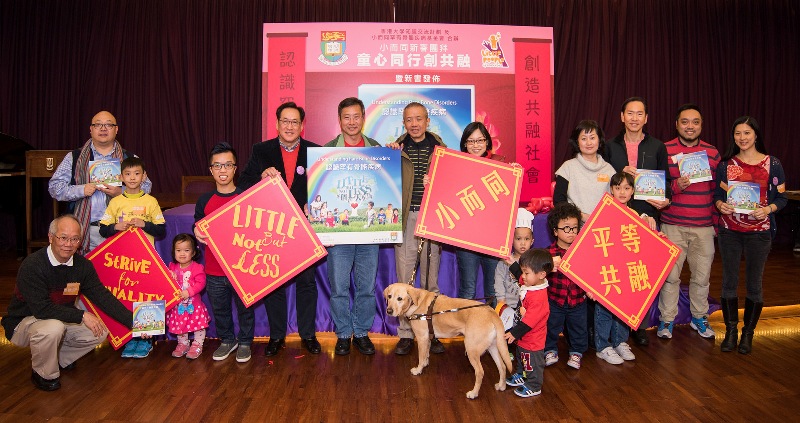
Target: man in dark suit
286,157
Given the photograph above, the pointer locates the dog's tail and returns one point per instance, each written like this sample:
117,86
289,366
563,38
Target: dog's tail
502,345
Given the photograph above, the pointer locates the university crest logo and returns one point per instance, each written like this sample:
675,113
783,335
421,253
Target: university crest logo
332,44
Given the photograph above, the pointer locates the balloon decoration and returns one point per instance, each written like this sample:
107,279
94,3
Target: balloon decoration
541,204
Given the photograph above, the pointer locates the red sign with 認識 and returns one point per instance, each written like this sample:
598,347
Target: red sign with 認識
470,202
261,239
618,259
130,268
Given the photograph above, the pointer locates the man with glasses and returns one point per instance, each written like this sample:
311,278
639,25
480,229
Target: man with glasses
42,312
286,157
71,181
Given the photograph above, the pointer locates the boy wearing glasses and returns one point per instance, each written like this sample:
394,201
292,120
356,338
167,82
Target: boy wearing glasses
134,208
567,300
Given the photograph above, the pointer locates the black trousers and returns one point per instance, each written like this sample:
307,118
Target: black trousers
306,303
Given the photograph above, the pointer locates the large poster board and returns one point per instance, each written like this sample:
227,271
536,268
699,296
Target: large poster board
470,202
261,239
620,261
355,195
499,75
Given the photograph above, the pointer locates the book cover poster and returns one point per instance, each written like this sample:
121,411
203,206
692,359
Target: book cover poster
261,239
105,172
355,195
128,265
149,318
650,185
620,261
743,196
695,166
471,202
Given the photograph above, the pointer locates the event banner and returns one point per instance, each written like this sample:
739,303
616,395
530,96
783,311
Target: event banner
262,239
130,268
470,202
499,75
620,261
355,195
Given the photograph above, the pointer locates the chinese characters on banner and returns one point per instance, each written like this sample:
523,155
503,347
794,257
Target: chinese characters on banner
620,260
533,91
130,268
286,75
262,239
470,202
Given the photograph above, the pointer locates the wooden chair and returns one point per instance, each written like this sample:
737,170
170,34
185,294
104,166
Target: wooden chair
192,187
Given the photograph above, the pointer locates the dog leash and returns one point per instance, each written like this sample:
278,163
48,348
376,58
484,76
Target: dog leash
429,315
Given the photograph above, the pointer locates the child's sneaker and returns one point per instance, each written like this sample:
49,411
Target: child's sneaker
624,351
194,351
574,361
550,358
610,356
664,330
143,349
702,327
180,350
225,349
525,392
515,380
130,348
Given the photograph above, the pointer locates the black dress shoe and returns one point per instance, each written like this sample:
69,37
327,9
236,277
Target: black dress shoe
404,346
342,346
273,346
312,345
640,337
44,384
436,346
69,366
364,345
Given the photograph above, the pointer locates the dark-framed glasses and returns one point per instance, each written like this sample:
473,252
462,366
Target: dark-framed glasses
103,125
569,229
228,166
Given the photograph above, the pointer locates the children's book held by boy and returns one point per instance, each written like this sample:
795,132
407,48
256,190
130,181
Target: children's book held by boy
743,196
149,318
650,185
695,166
106,172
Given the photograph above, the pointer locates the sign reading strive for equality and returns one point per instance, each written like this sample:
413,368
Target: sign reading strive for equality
618,259
130,268
262,239
470,202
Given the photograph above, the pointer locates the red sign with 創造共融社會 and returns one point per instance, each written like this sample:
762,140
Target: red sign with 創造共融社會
470,202
128,265
261,239
619,261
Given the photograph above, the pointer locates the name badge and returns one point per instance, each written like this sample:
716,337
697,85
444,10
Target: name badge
72,288
602,177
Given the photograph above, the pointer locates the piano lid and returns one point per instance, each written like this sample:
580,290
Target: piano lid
12,153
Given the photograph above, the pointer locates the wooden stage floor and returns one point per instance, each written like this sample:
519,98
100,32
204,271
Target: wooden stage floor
683,379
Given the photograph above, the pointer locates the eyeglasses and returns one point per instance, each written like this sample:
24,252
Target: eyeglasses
103,125
569,229
67,240
218,166
479,141
289,123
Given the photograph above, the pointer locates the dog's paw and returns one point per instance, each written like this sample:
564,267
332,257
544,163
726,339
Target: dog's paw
472,394
416,370
500,386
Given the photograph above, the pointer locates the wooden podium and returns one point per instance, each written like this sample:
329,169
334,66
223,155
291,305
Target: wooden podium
39,164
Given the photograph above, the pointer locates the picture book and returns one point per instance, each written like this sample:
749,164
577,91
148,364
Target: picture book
149,318
695,166
650,185
743,196
105,172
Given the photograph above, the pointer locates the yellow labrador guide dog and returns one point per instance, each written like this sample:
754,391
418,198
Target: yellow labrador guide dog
481,327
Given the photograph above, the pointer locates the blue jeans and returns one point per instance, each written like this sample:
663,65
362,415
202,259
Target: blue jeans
575,320
363,261
220,292
755,247
468,262
607,326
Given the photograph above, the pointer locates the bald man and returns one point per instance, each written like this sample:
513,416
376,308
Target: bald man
71,182
42,312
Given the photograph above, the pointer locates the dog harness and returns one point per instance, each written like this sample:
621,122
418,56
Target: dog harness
429,315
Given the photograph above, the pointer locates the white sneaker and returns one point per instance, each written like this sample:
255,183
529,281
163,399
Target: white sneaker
610,356
624,351
550,358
